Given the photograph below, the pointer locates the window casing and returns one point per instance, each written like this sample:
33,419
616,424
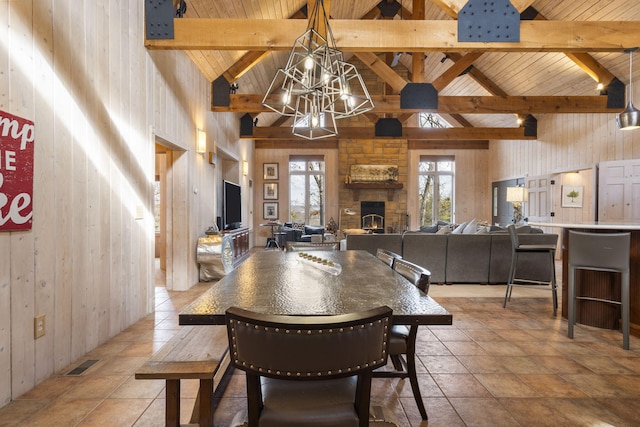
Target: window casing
307,189
435,189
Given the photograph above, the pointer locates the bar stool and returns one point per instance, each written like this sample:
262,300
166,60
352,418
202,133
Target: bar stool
516,250
600,252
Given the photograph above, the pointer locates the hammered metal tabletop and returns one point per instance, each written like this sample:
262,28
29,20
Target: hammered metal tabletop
275,282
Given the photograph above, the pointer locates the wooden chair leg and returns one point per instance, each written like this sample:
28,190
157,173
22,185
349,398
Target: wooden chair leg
413,380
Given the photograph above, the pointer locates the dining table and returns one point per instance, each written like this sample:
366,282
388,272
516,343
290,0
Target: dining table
338,282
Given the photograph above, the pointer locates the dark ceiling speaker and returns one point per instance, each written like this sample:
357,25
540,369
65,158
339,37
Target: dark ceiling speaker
419,96
388,127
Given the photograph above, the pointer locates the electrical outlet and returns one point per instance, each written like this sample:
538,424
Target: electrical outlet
39,328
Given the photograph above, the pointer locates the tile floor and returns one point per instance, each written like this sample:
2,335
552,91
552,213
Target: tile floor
492,367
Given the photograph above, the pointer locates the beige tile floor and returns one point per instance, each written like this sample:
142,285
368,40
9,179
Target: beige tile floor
492,367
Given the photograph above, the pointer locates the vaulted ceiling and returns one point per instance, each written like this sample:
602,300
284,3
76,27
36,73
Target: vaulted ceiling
566,48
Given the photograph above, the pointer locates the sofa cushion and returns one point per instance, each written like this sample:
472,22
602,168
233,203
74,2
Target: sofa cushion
428,251
298,226
310,229
468,258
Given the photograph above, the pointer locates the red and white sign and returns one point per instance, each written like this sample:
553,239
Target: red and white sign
16,172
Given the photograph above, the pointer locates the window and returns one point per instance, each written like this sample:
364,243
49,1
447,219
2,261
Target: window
306,192
435,186
431,120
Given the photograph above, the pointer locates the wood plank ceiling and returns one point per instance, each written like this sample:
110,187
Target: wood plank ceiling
498,82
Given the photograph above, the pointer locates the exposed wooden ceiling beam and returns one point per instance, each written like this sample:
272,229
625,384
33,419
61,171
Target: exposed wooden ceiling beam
251,58
332,143
423,134
583,60
453,7
243,103
244,64
448,145
383,71
454,71
480,78
398,35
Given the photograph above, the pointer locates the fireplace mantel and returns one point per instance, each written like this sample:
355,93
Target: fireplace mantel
391,187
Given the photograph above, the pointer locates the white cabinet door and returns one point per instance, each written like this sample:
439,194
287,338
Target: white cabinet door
619,191
538,209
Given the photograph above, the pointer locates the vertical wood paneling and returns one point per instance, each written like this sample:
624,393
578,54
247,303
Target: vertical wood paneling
45,248
80,71
21,75
5,238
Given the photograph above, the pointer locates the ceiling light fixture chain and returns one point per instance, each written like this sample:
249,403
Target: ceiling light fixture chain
317,86
629,118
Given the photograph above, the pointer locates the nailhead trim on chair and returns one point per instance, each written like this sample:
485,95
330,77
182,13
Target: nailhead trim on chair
299,331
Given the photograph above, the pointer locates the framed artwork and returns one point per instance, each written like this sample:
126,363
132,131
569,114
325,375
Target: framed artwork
572,196
270,210
270,170
271,191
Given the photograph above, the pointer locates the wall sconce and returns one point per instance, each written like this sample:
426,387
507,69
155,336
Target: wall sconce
517,196
245,168
201,141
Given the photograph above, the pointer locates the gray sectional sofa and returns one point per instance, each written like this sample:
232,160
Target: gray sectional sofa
462,258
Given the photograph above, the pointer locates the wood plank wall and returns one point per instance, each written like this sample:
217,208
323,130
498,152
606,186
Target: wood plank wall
79,70
566,143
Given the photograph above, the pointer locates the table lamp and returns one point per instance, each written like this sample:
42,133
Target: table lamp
517,196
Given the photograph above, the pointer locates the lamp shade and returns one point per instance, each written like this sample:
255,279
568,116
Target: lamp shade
517,194
629,118
201,141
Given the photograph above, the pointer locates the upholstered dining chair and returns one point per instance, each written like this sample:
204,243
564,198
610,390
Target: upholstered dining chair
308,370
516,250
402,345
387,256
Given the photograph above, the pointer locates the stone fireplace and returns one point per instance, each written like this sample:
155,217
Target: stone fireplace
394,202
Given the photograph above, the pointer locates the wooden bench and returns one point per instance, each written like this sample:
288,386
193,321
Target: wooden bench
196,352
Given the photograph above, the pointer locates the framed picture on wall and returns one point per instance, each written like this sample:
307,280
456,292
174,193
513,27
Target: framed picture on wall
572,196
271,191
270,210
270,171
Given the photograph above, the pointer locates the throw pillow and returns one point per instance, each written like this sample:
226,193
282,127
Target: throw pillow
354,231
444,229
298,226
459,228
471,227
428,228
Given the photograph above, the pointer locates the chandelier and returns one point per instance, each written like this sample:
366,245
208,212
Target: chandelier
317,86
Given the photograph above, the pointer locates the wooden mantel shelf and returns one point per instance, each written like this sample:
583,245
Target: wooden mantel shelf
391,187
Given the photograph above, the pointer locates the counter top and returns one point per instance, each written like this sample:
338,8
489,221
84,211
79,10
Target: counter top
589,225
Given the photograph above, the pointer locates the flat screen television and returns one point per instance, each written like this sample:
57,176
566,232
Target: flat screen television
232,205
